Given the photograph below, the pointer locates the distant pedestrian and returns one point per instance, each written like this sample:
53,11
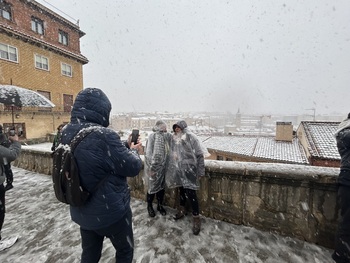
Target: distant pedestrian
156,161
342,243
7,155
57,138
185,168
103,160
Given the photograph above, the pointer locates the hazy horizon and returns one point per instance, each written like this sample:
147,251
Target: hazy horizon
262,57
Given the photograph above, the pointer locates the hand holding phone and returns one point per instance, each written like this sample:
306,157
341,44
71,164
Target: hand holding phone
135,136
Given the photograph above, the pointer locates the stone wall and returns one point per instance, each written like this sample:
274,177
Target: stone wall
291,200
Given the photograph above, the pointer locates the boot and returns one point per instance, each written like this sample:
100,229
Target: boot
150,210
180,213
8,186
160,198
161,209
196,225
149,198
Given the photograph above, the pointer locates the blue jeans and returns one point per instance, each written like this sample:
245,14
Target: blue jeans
121,236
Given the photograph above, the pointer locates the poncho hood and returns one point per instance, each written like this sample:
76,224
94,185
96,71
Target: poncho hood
182,124
160,126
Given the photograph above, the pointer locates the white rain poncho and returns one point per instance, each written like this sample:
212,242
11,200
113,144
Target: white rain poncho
156,158
186,161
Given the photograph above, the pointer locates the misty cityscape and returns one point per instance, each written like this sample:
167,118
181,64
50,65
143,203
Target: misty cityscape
215,123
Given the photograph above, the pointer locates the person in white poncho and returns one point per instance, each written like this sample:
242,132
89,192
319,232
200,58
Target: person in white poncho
156,161
186,166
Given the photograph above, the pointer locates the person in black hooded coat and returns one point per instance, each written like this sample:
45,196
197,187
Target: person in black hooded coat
342,241
102,156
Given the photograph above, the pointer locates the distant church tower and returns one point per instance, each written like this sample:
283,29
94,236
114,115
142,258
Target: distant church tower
238,119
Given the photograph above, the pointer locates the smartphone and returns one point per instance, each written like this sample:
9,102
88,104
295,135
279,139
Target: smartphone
134,136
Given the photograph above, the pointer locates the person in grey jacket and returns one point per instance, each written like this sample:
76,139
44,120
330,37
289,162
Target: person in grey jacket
156,161
7,155
186,166
342,242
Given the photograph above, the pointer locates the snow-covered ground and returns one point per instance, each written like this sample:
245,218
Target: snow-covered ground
47,234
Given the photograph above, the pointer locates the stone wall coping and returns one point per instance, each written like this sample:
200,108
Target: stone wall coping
295,171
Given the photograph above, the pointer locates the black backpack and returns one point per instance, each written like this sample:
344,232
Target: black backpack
65,174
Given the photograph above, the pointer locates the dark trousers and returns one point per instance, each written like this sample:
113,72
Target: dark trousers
2,205
159,195
8,173
121,236
342,242
192,197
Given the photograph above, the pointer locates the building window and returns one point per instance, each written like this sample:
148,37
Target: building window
41,62
63,37
67,102
8,53
5,10
38,25
219,158
66,69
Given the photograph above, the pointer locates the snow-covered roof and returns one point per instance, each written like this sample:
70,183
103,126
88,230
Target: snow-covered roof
320,139
259,147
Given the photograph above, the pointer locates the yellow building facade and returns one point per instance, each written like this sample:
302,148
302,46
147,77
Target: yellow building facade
40,51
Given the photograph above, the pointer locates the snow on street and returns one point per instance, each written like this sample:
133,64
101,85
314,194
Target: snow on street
47,234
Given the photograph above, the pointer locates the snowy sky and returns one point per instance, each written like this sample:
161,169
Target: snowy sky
264,57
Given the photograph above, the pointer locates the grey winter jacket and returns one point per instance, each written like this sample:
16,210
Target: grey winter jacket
8,155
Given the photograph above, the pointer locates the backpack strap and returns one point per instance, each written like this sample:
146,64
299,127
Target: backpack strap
81,135
75,142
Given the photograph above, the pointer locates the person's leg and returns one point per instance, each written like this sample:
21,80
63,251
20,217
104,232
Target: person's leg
91,243
182,196
342,243
160,199
181,210
2,206
9,177
150,209
192,196
122,238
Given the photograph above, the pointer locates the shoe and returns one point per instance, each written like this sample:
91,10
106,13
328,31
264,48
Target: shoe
161,209
150,210
180,213
8,187
196,225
